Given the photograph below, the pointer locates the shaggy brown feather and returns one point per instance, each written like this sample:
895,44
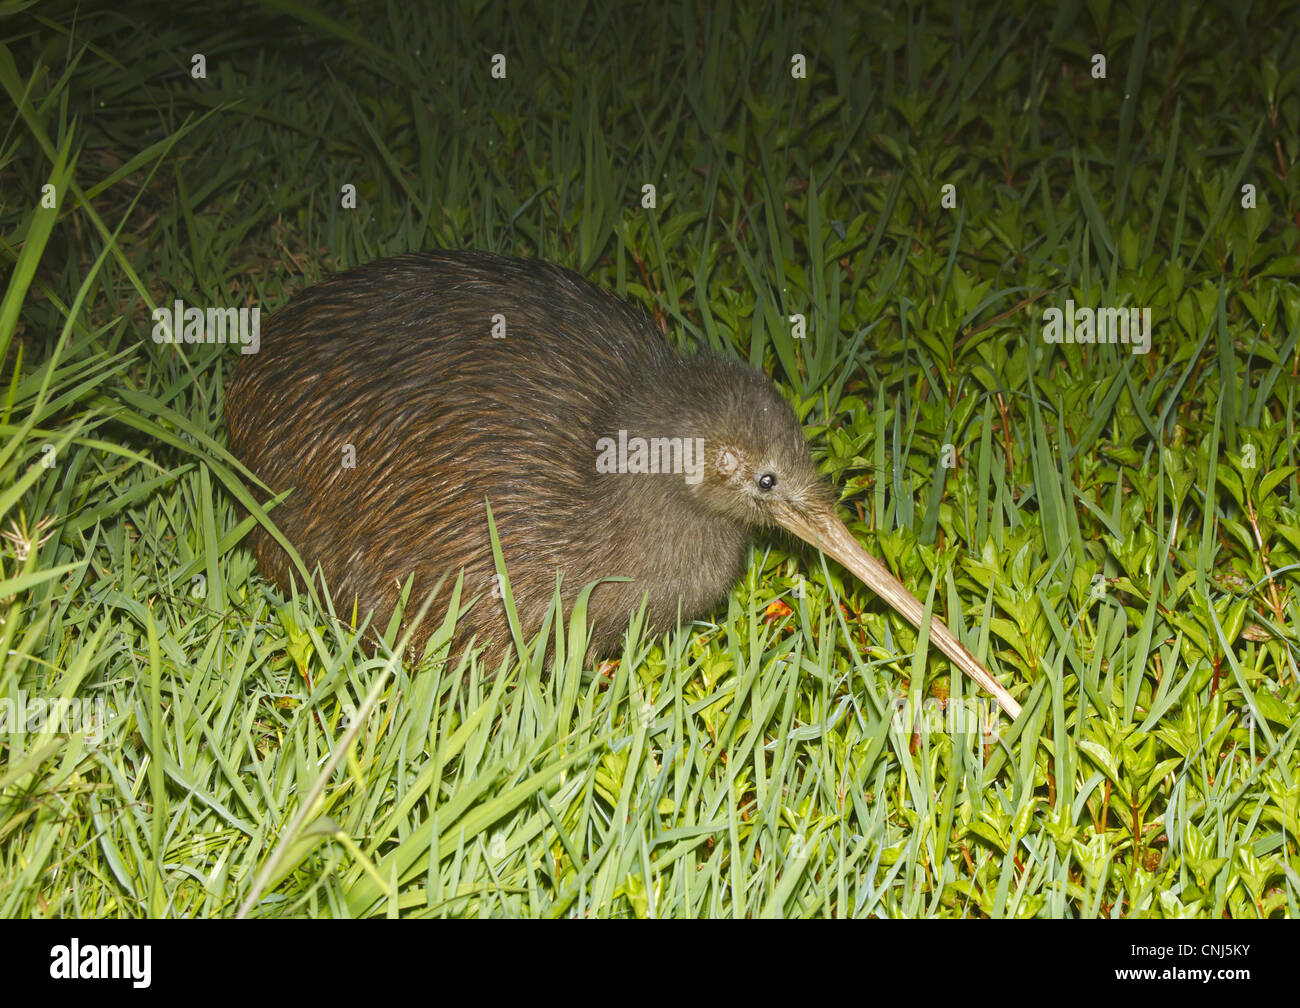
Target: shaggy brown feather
398,360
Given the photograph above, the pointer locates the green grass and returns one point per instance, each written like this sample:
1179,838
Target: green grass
1117,535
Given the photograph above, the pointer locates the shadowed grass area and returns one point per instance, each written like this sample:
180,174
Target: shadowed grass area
877,207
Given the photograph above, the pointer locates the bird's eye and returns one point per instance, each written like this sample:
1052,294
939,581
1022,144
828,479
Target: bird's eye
766,481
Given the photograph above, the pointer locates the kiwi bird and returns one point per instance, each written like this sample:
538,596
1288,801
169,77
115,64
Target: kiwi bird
398,400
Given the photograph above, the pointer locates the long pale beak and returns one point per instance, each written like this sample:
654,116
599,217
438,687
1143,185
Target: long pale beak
826,532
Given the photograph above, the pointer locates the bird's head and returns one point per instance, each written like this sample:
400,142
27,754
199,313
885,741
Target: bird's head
757,471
